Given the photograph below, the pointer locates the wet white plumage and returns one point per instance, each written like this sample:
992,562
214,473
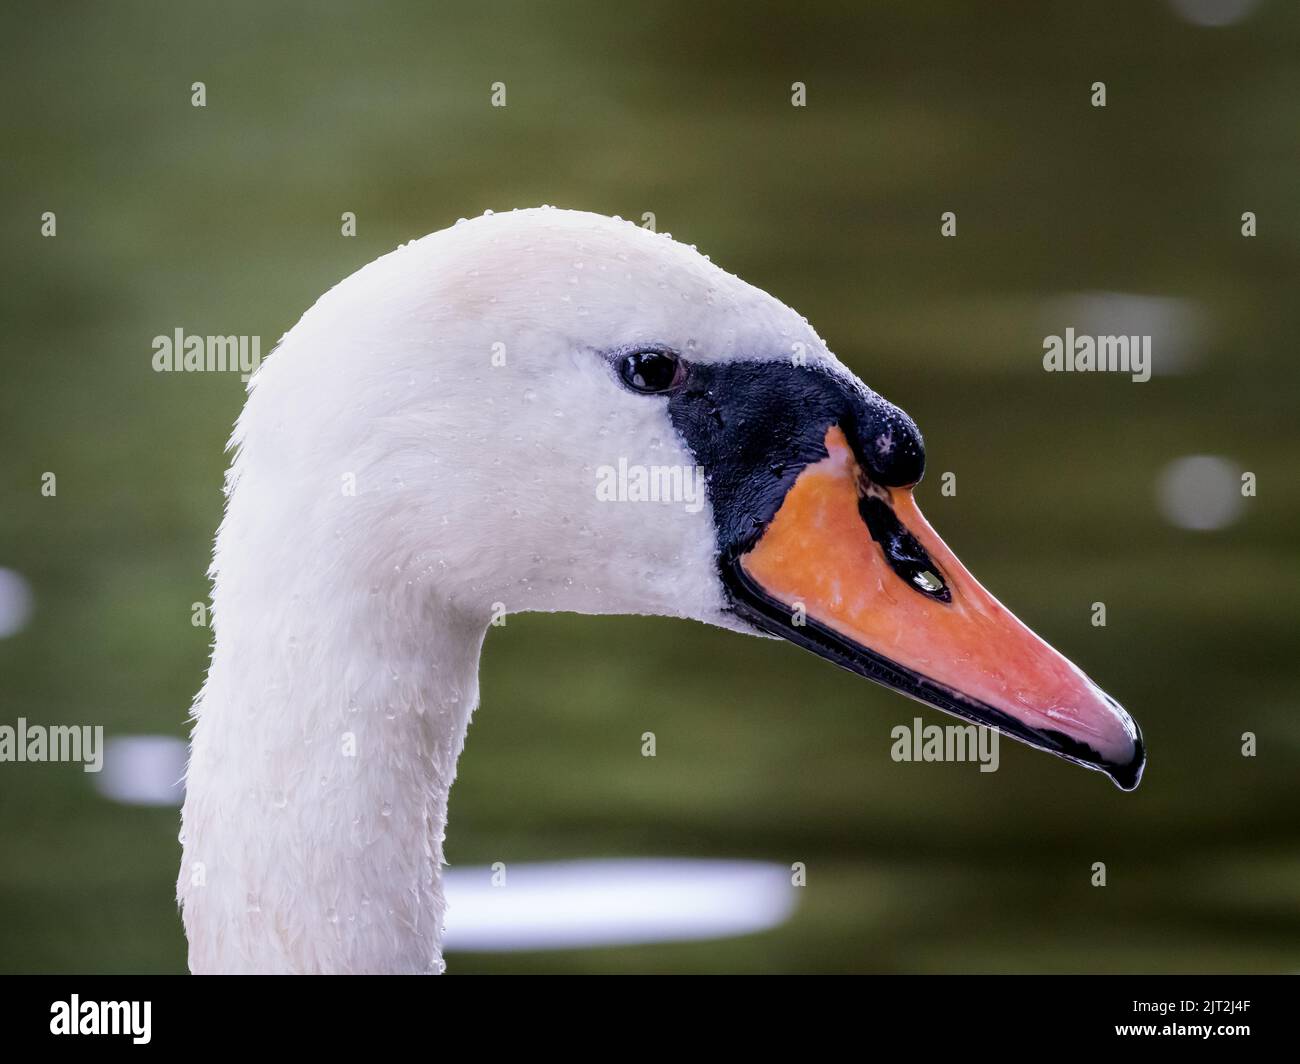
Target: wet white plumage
395,479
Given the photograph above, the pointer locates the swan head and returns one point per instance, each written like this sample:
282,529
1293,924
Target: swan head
554,410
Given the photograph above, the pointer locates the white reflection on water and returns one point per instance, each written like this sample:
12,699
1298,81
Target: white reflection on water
1214,12
1201,492
576,904
143,770
1178,327
15,603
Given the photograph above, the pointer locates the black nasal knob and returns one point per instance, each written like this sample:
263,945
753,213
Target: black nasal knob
887,442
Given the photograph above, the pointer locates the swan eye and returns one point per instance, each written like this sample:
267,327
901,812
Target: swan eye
652,372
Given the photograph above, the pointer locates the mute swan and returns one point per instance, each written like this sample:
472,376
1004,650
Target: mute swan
423,449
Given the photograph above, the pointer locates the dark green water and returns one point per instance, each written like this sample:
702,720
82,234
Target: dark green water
225,220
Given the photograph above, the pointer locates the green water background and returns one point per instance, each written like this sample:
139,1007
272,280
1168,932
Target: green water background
225,220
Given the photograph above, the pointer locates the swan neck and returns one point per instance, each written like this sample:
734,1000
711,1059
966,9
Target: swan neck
324,748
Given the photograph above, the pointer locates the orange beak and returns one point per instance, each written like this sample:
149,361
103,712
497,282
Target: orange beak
850,569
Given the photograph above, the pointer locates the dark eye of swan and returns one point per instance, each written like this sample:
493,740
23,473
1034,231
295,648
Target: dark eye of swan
652,372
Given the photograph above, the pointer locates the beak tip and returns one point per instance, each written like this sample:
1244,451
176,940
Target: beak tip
1127,776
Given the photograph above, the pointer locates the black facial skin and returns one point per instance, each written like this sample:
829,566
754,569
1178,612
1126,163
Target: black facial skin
754,426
